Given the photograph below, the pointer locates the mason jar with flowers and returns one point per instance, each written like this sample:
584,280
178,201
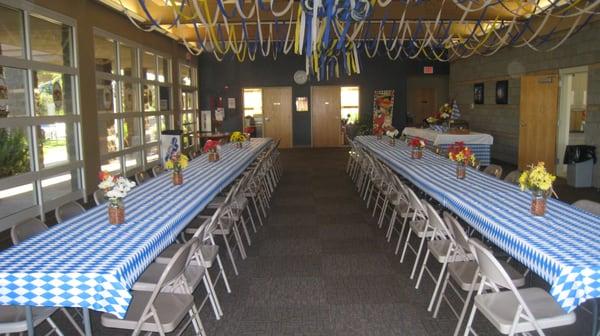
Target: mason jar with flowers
462,155
416,144
177,163
537,180
237,138
115,189
392,133
211,147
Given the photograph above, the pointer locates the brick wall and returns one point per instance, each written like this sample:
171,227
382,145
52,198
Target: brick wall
502,121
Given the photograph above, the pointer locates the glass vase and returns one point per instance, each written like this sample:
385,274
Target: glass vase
392,142
177,178
116,213
416,153
538,202
461,170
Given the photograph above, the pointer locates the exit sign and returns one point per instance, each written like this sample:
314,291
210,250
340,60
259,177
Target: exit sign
428,70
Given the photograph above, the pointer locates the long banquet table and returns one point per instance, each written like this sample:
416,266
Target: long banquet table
562,247
86,262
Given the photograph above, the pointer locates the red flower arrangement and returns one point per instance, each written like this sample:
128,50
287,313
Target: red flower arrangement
211,146
460,153
416,142
249,129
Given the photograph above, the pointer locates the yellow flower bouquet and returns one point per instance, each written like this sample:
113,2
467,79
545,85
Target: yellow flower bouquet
539,181
237,136
177,163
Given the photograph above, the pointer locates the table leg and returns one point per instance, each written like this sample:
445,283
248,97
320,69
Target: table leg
87,323
29,316
595,317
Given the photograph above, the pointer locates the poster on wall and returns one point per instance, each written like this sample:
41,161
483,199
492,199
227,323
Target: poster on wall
383,108
206,120
219,114
230,103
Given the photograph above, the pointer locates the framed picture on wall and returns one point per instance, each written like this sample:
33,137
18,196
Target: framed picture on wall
502,92
478,93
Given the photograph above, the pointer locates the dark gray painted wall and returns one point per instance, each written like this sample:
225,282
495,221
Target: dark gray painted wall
227,78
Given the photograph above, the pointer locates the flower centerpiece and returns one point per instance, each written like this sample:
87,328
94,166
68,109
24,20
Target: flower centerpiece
539,182
115,189
212,148
417,144
237,138
462,155
177,162
392,133
248,132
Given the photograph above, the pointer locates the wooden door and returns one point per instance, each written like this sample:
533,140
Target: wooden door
537,120
326,116
277,114
422,104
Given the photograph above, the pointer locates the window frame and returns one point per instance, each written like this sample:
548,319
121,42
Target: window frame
30,121
140,114
193,89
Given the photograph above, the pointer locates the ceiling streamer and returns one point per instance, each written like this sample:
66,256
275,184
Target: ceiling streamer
333,35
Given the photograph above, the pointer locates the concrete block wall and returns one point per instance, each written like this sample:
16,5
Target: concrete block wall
502,121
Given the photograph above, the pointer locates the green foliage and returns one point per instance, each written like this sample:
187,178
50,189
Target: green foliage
14,153
365,127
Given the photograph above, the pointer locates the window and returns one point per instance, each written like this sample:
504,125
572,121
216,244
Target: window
189,107
349,102
133,103
253,109
40,158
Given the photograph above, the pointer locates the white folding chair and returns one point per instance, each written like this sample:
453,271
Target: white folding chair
68,211
419,225
157,170
493,170
400,204
464,273
13,319
163,309
99,197
141,177
512,311
589,206
513,177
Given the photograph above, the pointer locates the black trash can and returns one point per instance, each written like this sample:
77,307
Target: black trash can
580,160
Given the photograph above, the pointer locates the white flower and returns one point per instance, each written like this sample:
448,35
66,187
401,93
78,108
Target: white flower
421,143
108,183
444,115
114,194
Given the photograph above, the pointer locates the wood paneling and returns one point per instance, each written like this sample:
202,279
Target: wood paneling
277,113
326,112
537,120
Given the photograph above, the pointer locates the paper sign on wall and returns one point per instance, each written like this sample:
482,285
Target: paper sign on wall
206,120
220,114
231,103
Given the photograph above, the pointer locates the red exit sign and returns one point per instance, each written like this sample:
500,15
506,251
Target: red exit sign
428,70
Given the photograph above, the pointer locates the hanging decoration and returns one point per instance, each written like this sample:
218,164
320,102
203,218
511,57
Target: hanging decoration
333,35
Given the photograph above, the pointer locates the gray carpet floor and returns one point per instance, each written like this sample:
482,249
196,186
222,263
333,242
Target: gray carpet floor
320,266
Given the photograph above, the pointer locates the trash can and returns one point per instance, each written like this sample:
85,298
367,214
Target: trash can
580,160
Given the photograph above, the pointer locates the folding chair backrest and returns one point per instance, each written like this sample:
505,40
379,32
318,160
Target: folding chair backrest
589,206
140,177
490,267
415,203
99,197
460,236
436,222
68,211
27,228
178,263
157,170
493,170
512,177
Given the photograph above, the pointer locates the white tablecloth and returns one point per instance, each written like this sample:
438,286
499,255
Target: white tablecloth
437,138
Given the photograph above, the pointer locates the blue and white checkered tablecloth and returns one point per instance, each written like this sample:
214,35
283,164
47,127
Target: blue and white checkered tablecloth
86,262
482,152
562,247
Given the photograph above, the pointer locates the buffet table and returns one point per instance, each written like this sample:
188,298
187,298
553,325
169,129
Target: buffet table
480,143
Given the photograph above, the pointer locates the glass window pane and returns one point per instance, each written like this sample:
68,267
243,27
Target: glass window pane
53,93
14,152
131,132
150,129
129,97
105,54
185,75
149,97
11,39
16,199
108,136
105,96
57,144
152,154
133,160
187,140
50,42
127,58
60,185
164,122
165,98
12,92
112,165
149,66
164,73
